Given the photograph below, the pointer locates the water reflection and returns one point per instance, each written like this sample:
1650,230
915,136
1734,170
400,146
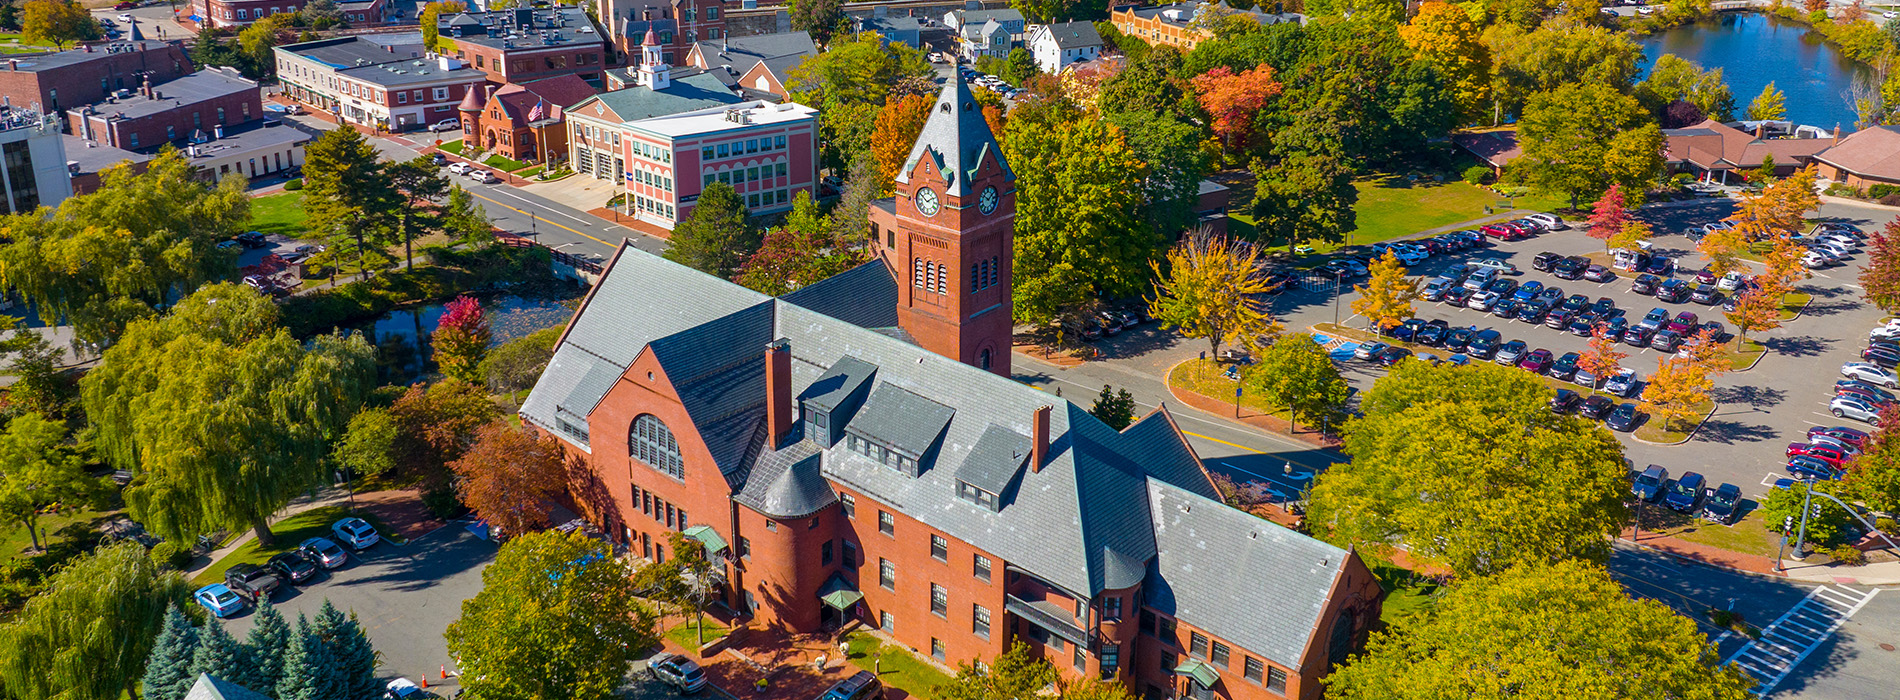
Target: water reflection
402,342
1753,49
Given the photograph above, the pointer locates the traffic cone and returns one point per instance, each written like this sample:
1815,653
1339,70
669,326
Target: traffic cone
444,670
425,680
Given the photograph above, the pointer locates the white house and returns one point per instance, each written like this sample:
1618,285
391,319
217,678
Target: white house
986,32
1055,46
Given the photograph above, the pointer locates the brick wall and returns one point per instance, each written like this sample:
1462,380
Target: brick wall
151,129
78,84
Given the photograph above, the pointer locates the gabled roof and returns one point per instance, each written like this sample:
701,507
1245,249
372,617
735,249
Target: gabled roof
518,100
1071,35
636,103
865,295
1713,145
209,687
1871,152
957,140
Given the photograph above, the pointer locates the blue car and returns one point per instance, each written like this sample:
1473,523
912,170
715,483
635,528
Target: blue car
219,600
1685,495
1529,291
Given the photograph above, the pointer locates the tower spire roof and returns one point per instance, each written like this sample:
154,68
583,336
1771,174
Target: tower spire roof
956,139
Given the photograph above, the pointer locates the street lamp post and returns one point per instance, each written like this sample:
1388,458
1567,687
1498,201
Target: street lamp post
1807,499
1337,274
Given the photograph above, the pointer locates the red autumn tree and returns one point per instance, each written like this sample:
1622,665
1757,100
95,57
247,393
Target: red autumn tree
510,477
1880,280
1609,215
461,339
1603,360
1234,99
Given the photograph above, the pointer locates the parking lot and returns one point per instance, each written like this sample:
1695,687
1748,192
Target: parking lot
1757,411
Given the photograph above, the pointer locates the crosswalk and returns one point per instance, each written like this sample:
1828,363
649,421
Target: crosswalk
1788,641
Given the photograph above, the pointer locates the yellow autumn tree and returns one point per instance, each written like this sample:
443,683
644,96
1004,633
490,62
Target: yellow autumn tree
1386,297
895,129
1632,233
1677,390
1212,290
1445,34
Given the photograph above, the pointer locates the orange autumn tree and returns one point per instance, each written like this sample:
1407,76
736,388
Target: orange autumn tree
1603,360
1677,390
1757,309
1233,99
896,128
510,477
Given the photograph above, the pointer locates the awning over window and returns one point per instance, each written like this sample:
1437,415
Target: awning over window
839,593
706,536
1200,672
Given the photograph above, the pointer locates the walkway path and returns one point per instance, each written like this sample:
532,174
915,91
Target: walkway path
324,498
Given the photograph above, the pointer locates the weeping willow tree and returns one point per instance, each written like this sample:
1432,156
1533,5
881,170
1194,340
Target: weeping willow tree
87,636
221,415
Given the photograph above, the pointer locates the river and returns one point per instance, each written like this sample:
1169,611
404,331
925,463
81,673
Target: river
1753,49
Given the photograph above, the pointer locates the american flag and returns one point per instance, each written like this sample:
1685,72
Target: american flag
539,111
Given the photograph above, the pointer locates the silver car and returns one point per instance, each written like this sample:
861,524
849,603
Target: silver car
1849,407
1872,374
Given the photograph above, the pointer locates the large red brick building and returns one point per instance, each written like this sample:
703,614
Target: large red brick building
845,456
56,82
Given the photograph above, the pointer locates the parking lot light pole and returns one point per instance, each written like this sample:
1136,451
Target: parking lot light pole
1337,274
1807,499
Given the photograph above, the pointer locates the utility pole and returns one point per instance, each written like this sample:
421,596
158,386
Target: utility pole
1336,276
1801,539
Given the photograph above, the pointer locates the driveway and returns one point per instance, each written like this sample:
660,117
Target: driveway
405,596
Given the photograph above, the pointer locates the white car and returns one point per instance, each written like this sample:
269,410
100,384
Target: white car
1623,384
1409,256
1845,242
1834,442
1550,222
446,125
1850,407
1814,261
1482,301
356,533
127,18
1832,250
324,552
1731,281
458,168
1502,267
482,176
1870,373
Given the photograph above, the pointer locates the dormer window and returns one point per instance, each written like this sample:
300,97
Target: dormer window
978,496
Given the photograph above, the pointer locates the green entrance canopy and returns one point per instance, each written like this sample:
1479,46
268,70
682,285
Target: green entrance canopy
1200,672
842,600
706,536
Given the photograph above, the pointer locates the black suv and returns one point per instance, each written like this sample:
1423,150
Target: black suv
1569,268
251,582
1543,260
1645,284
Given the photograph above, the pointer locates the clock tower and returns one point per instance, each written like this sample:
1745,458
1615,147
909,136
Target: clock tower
948,236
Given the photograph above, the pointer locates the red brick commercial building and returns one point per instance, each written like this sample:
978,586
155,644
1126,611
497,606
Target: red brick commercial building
388,81
677,23
843,454
521,45
524,121
241,13
170,111
56,82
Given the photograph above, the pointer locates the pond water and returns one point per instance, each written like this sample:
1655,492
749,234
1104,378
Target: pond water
1753,49
401,337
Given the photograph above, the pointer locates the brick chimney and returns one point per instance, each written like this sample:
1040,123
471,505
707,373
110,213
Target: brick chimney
1039,447
778,390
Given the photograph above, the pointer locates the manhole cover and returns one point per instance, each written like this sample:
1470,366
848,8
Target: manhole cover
1886,647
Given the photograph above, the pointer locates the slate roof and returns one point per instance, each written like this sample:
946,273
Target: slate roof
786,483
683,95
1073,35
865,295
957,138
995,460
1237,576
209,687
1871,152
843,379
901,419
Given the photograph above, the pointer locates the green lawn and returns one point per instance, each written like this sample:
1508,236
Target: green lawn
279,213
684,635
901,668
507,164
289,532
1390,207
14,540
531,172
1406,593
1792,304
454,147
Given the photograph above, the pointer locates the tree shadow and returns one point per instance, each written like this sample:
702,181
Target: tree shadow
1830,308
1138,341
1827,292
1797,345
423,563
1728,432
1753,396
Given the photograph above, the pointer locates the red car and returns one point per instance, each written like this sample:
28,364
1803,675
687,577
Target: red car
1537,361
1825,453
1846,435
125,6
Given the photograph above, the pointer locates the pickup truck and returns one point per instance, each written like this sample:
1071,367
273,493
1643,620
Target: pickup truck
252,582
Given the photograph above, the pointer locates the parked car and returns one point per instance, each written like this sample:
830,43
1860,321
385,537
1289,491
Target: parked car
1550,222
1623,384
251,582
446,125
1685,495
677,671
1599,273
292,566
1595,407
1818,450
483,176
1433,333
1684,322
1460,338
1649,484
1672,291
1654,319
1869,373
1435,289
1497,267
1392,356
1661,266
1731,281
1565,401
1538,361
1809,467
1565,367
1507,309
1855,438
860,686
1706,295
356,533
1366,351
1542,261
1533,311
324,552
219,600
438,160
251,239
1723,504
1645,284
1638,336
1623,418
458,168
1881,355
1484,343
1666,341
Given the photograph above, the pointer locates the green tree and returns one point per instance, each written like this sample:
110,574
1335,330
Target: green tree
353,660
1080,233
1563,53
368,445
1212,290
255,43
57,22
39,469
1176,164
1018,67
1772,103
1114,409
685,582
715,239
349,197
1827,521
1446,35
820,18
517,364
309,671
465,221
321,14
88,636
1039,11
1540,630
435,425
1469,469
1359,95
1150,85
167,673
849,82
802,251
1295,372
1580,139
113,256
10,17
1307,196
38,382
417,181
557,618
432,26
220,414
1674,78
267,645
1018,673
218,654
1873,478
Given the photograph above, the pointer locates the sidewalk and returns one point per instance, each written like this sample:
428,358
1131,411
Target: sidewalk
1878,574
323,498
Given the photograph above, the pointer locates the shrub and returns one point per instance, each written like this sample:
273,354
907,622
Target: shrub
1892,200
1847,554
1887,525
443,503
1477,174
173,554
1841,190
1881,191
295,183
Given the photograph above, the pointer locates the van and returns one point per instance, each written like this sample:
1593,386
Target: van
862,686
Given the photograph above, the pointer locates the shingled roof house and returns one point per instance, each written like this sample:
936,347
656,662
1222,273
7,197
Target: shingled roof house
857,450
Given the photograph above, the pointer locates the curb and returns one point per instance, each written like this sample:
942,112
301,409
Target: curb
1831,199
1176,394
1621,543
1692,431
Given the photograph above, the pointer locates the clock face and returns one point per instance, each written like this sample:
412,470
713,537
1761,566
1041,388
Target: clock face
927,201
986,202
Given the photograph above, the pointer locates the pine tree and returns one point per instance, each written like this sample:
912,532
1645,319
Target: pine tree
356,660
332,629
168,669
1116,410
308,668
266,645
218,654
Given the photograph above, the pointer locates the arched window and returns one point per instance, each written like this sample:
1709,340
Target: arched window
983,359
649,441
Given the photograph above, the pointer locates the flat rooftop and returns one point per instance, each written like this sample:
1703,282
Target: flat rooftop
93,156
523,29
47,61
351,52
253,136
207,84
715,119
